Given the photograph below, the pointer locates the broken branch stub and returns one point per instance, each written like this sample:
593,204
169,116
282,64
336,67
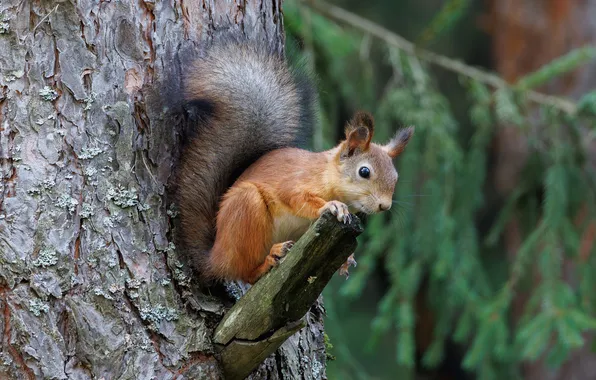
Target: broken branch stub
271,310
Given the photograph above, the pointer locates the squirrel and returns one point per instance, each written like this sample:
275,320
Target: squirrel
246,192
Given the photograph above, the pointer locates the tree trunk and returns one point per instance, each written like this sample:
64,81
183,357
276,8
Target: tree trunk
90,284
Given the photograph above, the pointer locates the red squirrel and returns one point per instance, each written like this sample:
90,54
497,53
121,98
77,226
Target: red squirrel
246,193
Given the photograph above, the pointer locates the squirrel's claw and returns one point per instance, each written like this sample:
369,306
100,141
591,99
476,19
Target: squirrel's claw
344,269
351,261
279,251
338,209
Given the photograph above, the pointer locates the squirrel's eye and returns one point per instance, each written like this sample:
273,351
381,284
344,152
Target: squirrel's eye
364,172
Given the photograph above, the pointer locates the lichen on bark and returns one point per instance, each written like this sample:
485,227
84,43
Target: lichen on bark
90,283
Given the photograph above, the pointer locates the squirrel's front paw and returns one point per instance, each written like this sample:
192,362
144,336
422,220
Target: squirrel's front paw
338,209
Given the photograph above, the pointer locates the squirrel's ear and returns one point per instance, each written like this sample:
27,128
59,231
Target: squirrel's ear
357,141
398,143
359,132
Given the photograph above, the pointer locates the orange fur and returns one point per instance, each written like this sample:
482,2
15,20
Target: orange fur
249,107
277,197
248,211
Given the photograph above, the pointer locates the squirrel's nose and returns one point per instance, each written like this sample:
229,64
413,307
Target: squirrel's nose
384,206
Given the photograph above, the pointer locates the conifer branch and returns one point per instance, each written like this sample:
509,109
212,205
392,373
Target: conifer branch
341,15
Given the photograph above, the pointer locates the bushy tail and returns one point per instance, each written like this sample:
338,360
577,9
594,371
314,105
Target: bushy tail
246,102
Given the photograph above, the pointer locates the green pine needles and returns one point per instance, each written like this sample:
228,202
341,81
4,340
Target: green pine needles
432,234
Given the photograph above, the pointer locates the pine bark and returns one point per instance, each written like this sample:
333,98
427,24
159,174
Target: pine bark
90,286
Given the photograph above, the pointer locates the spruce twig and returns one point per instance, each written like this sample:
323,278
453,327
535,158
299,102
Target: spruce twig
341,15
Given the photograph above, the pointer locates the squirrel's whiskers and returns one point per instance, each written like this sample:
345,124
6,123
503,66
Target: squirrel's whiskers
245,189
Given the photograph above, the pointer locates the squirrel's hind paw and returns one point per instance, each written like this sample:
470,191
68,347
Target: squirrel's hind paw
279,250
344,269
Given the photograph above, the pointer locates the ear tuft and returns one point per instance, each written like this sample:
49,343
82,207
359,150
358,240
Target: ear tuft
359,132
398,143
364,119
361,119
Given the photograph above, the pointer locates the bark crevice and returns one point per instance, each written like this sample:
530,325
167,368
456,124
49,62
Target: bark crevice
90,274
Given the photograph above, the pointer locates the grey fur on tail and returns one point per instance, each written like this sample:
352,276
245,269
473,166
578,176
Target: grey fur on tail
243,101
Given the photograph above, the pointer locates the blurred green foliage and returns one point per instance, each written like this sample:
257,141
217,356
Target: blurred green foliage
444,232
